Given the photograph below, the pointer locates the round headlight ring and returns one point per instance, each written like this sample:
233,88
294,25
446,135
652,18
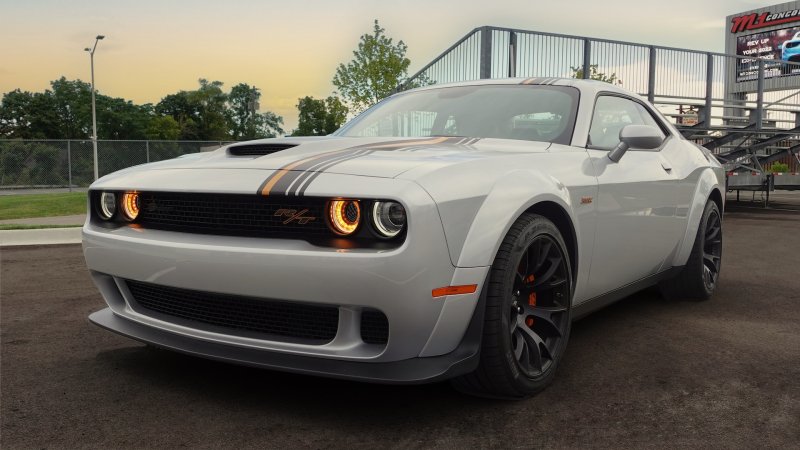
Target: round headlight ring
344,216
389,218
130,205
108,205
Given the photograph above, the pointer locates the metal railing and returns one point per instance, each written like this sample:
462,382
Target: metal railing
711,96
69,163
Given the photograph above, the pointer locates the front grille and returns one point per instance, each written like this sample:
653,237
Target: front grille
257,149
234,314
234,214
374,327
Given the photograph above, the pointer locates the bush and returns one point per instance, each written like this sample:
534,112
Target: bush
778,168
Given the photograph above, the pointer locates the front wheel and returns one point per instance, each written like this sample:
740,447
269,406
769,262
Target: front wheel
527,319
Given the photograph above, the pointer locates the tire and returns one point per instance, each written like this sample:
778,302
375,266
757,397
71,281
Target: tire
528,313
699,277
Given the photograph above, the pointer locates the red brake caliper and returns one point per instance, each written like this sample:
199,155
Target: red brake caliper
531,299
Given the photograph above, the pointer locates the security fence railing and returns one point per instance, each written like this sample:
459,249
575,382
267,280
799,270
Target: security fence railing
69,163
727,102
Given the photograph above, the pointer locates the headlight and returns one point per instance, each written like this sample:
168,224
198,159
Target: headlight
389,218
130,205
108,205
344,215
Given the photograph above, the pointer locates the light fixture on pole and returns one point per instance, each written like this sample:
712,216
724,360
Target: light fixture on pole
94,113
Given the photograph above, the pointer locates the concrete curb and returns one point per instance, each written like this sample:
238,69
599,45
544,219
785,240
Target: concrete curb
45,236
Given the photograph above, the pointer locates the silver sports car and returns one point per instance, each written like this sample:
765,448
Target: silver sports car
448,232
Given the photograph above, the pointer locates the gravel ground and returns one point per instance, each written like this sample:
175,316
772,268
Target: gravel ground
641,373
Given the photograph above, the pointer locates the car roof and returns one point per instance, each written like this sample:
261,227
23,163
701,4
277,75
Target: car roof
585,86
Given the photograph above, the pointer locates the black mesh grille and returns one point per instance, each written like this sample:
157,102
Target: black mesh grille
374,327
246,315
234,214
257,149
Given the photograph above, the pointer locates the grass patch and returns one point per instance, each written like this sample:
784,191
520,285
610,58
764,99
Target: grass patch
42,205
19,226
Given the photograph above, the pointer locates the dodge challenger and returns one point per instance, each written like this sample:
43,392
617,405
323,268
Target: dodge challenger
448,232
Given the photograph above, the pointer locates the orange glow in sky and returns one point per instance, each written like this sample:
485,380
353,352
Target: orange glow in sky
290,49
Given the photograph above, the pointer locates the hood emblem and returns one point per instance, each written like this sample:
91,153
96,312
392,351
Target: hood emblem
293,215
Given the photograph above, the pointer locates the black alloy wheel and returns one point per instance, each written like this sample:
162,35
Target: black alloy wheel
698,279
712,250
538,319
527,316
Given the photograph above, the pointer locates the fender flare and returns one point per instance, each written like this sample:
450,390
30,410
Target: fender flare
509,198
707,182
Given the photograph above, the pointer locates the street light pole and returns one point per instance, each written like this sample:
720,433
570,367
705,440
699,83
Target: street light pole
94,112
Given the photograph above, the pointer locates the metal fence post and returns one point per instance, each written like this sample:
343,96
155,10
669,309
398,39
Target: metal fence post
651,75
486,53
69,164
709,89
147,150
587,59
512,54
760,95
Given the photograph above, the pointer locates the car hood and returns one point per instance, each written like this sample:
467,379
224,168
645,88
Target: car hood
375,157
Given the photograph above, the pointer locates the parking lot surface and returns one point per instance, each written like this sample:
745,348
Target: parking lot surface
641,373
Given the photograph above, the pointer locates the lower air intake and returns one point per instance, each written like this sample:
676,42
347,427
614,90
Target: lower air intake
374,327
237,315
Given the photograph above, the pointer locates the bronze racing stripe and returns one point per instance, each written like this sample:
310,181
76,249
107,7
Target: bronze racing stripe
299,174
276,176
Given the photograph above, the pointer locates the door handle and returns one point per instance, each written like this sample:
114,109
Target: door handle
667,168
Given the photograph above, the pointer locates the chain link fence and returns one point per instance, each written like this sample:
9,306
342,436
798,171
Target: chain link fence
69,163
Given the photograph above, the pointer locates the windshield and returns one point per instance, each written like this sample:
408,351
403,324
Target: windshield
531,113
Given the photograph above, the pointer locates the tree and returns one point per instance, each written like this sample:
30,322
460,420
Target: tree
163,128
269,125
211,102
243,101
245,121
577,72
207,113
72,102
379,66
319,117
183,111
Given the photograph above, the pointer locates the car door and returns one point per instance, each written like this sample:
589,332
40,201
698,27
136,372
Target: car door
637,199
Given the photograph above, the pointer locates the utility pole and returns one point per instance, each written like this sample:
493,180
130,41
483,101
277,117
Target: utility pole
94,111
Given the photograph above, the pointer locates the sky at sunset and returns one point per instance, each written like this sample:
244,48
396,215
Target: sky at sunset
290,49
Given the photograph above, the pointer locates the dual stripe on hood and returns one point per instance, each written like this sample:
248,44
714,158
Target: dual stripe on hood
294,178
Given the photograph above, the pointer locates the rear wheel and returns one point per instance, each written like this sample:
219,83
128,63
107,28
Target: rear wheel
527,319
698,278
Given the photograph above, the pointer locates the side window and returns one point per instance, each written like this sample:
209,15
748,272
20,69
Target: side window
611,114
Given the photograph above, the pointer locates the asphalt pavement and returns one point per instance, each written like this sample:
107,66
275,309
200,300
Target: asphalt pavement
644,372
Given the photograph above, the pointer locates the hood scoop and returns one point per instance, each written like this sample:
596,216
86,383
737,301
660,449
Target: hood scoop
257,149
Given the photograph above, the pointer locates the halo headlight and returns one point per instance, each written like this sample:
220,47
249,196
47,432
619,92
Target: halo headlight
344,216
108,205
389,218
130,205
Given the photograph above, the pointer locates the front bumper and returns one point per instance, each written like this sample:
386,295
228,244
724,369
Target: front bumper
397,282
463,359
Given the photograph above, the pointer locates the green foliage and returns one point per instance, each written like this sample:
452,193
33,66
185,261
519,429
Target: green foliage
207,113
244,120
33,163
42,205
577,72
378,67
318,117
164,128
778,167
20,226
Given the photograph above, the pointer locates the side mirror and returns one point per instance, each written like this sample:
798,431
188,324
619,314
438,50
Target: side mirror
644,137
